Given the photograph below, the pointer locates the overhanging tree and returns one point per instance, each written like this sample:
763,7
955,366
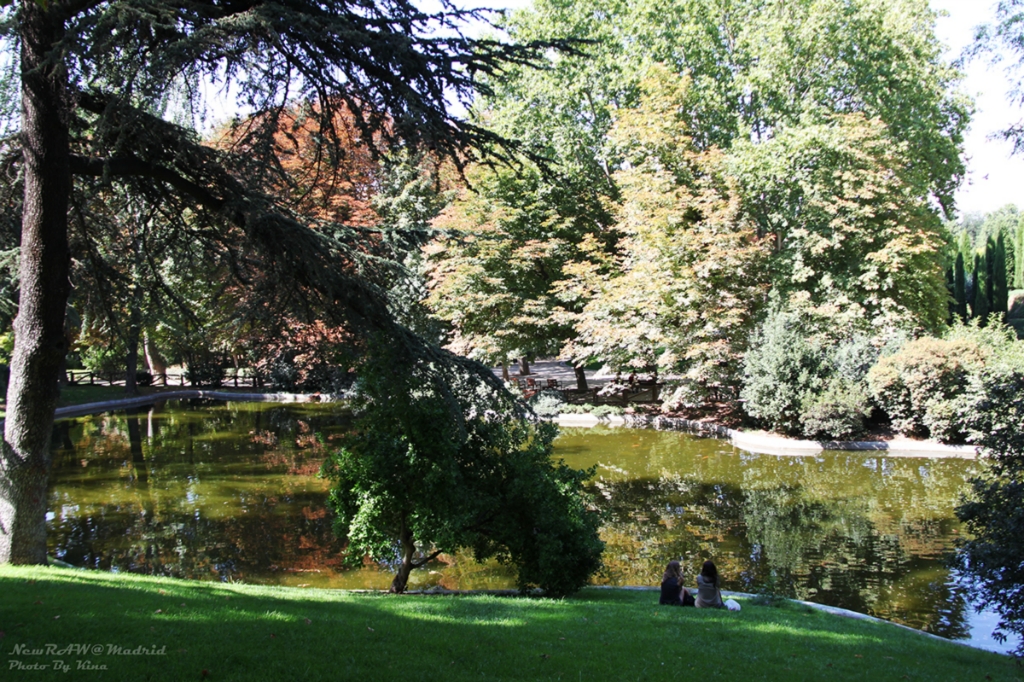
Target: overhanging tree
412,482
92,73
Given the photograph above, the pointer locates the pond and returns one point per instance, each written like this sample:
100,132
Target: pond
228,491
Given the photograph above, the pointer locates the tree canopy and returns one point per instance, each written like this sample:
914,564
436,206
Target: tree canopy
836,130
414,480
102,83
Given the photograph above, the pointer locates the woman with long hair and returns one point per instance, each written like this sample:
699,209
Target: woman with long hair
709,593
672,591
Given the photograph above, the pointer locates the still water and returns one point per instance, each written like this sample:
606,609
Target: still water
219,491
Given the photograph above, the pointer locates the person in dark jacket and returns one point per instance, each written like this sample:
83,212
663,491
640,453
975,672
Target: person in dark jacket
672,591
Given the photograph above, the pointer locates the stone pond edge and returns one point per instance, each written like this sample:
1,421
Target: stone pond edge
771,444
760,443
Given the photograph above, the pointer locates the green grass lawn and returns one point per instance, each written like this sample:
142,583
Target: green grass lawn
84,393
218,631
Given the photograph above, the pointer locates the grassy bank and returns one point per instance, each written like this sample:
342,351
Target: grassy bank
215,631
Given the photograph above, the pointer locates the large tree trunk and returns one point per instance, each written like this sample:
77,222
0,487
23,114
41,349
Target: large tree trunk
401,580
39,328
581,378
155,361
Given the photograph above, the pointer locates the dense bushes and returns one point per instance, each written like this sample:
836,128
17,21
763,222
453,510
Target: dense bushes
811,385
932,387
918,385
802,386
838,411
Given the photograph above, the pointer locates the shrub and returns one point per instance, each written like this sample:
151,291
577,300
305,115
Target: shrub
912,385
838,412
547,403
780,368
853,358
605,410
143,379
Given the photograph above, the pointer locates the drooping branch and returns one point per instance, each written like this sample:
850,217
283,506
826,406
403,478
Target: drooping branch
123,166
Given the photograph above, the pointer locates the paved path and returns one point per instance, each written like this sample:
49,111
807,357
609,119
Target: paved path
543,370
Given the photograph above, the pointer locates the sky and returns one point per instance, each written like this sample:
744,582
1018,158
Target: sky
994,178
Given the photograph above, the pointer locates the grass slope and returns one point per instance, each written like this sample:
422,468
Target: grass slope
215,631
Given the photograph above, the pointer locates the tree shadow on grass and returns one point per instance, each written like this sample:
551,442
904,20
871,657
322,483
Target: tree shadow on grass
264,633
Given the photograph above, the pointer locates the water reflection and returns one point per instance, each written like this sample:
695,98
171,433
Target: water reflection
214,491
864,532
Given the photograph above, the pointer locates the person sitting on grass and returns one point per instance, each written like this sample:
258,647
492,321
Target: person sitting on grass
709,594
672,591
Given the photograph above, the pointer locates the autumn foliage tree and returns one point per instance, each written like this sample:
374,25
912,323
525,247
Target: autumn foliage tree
687,275
498,253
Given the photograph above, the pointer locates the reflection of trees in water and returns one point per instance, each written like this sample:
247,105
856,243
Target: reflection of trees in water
864,533
227,491
188,545
651,521
196,496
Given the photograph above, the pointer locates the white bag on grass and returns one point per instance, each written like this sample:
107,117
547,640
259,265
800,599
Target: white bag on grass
732,605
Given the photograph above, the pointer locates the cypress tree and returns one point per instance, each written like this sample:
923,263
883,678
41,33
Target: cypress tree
1018,263
1000,291
951,301
979,308
960,288
990,258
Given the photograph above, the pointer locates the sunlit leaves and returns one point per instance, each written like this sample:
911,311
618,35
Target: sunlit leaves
689,271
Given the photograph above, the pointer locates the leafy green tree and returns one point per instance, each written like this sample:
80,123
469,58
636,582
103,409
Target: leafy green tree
92,74
1006,35
758,73
689,273
856,241
413,480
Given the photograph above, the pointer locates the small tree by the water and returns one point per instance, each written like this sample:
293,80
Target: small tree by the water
441,459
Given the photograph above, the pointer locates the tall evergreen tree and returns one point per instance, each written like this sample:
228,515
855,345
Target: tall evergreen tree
1018,263
1000,290
959,288
91,71
980,307
990,260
